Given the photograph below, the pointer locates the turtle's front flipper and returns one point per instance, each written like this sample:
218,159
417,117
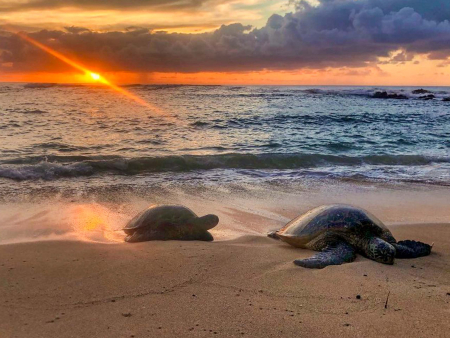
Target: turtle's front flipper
333,254
411,249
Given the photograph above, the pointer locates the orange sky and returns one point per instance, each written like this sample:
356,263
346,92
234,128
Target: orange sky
426,73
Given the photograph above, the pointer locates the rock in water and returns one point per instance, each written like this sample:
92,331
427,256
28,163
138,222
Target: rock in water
385,95
420,91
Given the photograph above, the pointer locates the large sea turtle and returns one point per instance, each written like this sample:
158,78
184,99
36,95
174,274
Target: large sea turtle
339,232
166,222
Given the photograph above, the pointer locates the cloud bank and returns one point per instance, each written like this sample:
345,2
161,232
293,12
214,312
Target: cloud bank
25,5
333,33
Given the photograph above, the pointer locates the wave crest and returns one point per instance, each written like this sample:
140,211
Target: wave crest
55,167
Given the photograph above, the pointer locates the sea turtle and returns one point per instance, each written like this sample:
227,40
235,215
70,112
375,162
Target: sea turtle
166,222
339,231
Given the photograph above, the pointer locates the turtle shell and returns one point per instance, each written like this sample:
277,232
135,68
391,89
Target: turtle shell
335,218
157,216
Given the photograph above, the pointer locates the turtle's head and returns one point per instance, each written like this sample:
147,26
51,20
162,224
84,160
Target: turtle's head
381,251
207,222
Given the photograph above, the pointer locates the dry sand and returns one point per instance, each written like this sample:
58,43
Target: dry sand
243,287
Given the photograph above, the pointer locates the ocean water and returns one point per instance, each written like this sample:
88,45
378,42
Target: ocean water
50,132
86,140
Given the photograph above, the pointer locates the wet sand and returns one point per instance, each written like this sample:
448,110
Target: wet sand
242,287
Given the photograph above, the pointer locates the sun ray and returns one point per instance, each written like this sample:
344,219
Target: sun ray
90,73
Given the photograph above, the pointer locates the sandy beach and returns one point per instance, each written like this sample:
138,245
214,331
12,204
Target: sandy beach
116,116
242,287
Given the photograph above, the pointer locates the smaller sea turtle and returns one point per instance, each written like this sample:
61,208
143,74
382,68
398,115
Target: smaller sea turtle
339,232
168,222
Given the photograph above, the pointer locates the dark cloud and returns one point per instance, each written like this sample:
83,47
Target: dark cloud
438,10
14,5
76,30
336,33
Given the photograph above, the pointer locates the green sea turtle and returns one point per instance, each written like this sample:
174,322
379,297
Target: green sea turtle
167,222
339,232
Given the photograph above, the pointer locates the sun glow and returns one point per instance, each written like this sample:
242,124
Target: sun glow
96,222
93,75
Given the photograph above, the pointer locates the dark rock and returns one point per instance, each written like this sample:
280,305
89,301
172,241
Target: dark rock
380,95
385,95
126,314
358,296
420,91
446,99
427,97
398,96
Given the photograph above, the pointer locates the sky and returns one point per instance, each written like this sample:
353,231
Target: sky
304,42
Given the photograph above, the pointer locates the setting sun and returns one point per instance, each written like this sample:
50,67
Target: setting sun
85,70
95,76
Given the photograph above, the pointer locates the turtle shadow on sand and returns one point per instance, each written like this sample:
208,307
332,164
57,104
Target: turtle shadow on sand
339,232
169,222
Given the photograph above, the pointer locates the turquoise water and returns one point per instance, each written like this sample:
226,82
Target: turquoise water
53,133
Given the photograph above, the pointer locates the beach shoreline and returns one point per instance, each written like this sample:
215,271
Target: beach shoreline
252,209
247,286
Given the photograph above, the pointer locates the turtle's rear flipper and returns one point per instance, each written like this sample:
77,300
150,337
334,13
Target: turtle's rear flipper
142,236
334,254
411,249
135,237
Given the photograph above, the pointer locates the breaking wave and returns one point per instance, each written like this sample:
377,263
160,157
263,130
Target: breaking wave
54,167
382,93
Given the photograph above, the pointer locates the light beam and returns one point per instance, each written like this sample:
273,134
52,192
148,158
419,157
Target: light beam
85,70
